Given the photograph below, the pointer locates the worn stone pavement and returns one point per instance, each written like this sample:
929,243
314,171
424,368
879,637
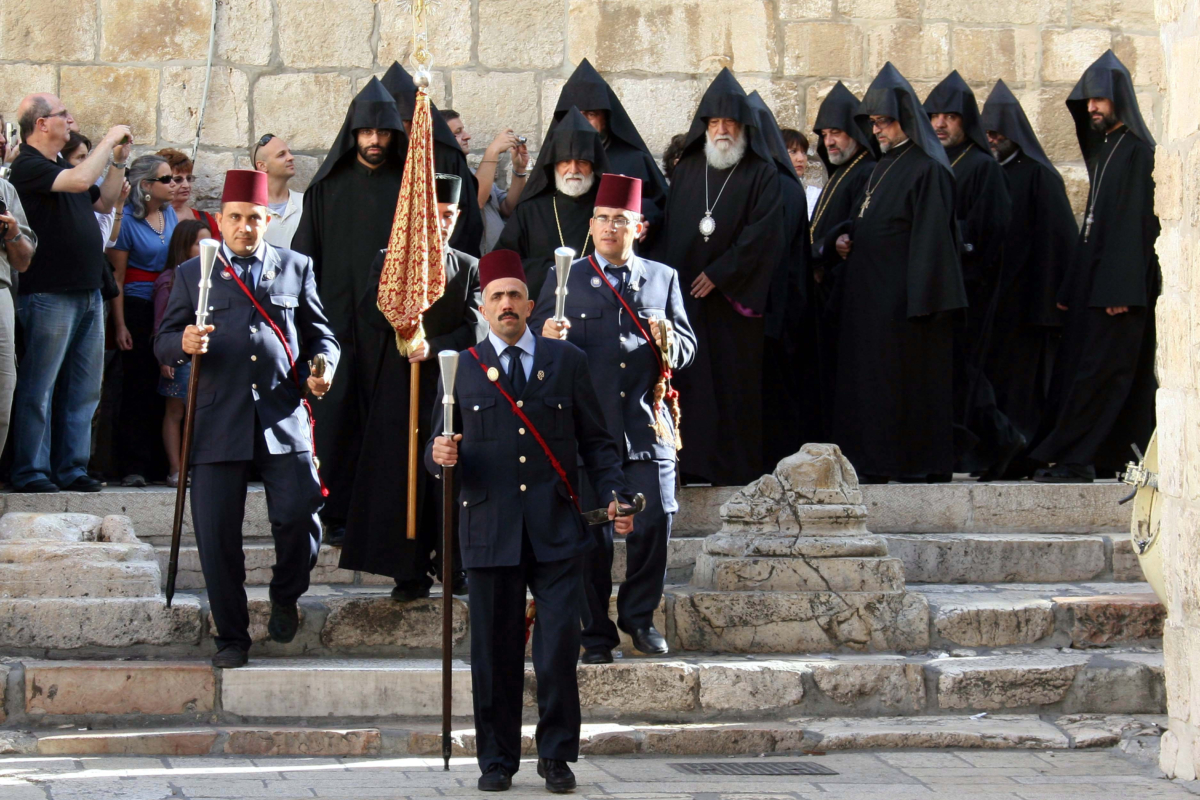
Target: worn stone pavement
896,775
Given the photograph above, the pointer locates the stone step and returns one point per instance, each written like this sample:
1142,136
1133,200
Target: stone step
1014,557
961,506
340,620
349,692
1087,615
813,736
681,561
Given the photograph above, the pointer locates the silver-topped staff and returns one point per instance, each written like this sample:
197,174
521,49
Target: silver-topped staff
208,257
448,362
563,256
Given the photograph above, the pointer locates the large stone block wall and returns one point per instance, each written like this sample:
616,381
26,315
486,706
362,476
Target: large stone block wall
1177,175
290,67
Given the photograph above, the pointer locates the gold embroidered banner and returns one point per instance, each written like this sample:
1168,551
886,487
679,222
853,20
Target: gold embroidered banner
414,273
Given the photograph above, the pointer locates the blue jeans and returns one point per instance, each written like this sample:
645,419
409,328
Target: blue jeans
58,385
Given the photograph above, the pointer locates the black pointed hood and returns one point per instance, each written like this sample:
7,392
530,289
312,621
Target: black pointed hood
404,89
837,111
726,98
1107,77
765,119
372,107
953,96
588,91
572,137
891,95
1003,113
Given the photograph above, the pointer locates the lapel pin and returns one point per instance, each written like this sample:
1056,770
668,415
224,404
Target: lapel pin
493,374
270,276
541,375
226,275
595,281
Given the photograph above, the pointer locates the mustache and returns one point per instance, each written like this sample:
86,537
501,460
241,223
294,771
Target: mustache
573,176
508,315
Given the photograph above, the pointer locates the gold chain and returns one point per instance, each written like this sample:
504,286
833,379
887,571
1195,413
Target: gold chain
826,197
558,225
960,155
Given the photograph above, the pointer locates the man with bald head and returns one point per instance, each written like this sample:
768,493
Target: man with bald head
59,305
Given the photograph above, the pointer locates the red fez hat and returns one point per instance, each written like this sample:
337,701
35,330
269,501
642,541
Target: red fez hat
500,264
245,186
620,191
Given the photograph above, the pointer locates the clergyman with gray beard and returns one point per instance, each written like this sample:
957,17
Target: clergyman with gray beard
723,231
556,206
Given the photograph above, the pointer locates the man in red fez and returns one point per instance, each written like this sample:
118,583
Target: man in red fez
619,307
527,414
263,311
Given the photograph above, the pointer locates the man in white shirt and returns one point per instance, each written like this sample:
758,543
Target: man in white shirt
272,156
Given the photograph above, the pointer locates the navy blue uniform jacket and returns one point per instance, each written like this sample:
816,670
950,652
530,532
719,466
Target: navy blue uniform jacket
245,372
506,483
624,369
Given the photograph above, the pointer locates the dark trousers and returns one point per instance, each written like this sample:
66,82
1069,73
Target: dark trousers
645,553
140,419
497,605
218,506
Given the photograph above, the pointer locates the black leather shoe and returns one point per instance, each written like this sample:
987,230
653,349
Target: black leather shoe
496,779
285,620
650,642
335,535
458,584
1066,473
38,486
596,655
83,483
230,657
407,591
997,471
559,778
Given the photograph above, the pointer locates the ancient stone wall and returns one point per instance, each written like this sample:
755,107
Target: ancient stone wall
290,67
1177,175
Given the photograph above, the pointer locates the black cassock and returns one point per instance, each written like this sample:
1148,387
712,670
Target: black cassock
1027,324
347,218
893,412
545,218
376,528
1102,393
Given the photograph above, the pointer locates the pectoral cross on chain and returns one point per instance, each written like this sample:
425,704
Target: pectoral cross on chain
863,208
1087,226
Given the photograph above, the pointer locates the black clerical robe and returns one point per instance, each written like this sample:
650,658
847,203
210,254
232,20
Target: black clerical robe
376,528
347,219
838,203
893,414
1102,393
533,230
722,391
1026,326
625,159
468,231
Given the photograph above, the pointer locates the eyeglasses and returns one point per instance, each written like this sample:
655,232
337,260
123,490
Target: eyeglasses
165,179
620,223
882,122
179,179
64,113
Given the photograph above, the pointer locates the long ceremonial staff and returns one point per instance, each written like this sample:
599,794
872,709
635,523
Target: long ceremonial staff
448,361
208,257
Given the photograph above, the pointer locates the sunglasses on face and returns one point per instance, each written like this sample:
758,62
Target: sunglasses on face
165,179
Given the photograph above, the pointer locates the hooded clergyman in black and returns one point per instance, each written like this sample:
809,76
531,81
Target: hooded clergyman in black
348,212
724,231
983,209
791,413
626,150
848,165
548,217
448,158
894,411
1102,393
1037,251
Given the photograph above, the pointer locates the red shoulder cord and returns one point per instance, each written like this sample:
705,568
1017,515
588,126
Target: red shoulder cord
663,369
562,474
312,422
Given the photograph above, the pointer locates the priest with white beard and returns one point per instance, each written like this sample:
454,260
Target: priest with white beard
556,206
723,231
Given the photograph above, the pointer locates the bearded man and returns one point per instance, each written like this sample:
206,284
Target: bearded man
556,207
724,232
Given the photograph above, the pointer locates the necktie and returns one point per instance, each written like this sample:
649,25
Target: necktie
246,265
516,372
618,273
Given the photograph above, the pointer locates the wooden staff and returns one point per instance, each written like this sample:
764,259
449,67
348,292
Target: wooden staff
414,443
448,361
208,257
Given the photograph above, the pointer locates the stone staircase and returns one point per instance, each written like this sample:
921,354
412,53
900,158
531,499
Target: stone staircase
1035,632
